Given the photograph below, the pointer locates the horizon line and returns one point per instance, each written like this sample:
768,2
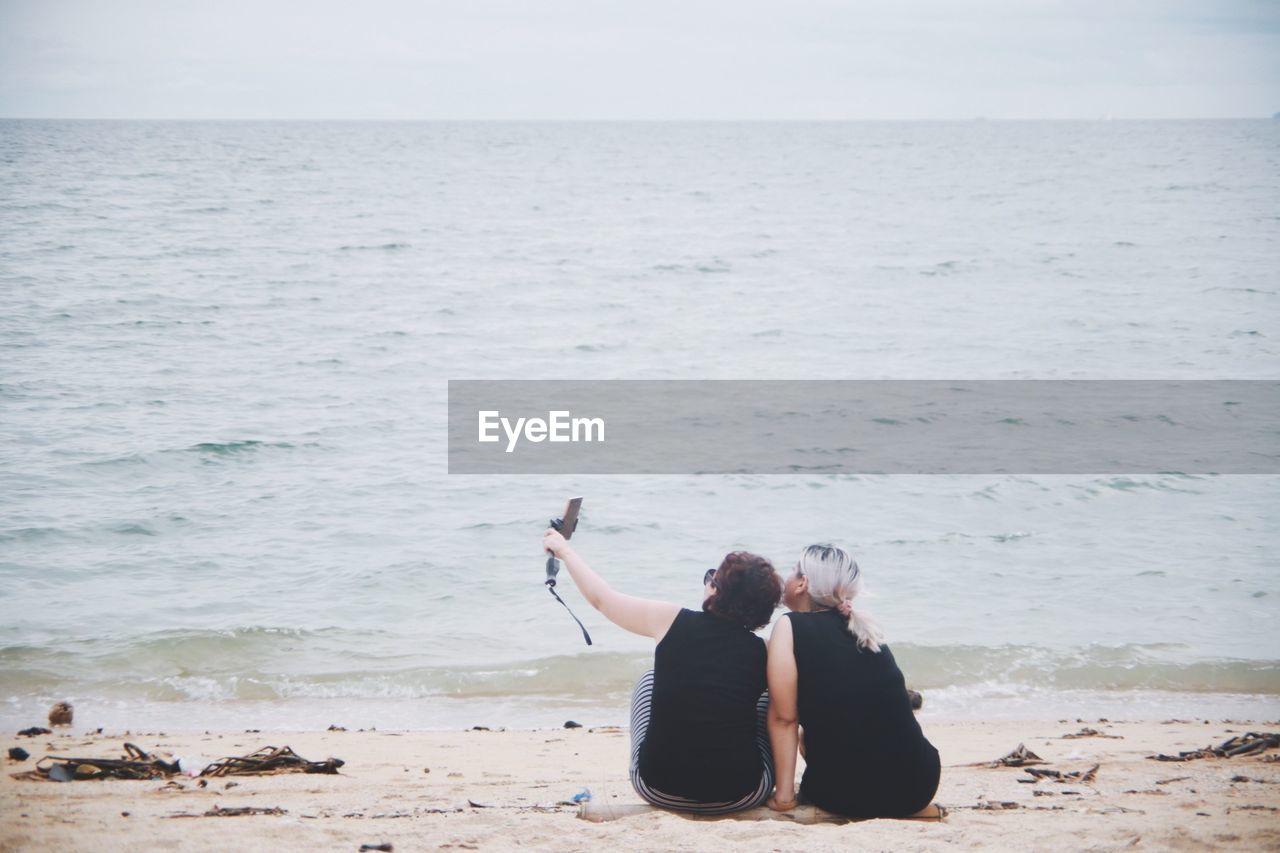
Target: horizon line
979,118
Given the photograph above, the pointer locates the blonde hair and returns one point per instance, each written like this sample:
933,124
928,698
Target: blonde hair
835,581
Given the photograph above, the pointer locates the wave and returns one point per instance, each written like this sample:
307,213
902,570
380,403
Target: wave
278,663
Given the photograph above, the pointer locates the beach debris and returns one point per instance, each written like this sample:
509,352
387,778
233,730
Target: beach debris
583,796
235,811
334,727
1088,732
1252,779
1038,773
570,724
1019,757
268,760
1253,743
60,714
997,805
476,805
17,753
1174,779
34,731
917,701
385,847
138,764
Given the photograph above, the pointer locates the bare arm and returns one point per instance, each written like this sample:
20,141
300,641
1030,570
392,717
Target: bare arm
784,723
642,616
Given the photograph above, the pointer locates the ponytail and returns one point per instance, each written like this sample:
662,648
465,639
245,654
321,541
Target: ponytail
862,626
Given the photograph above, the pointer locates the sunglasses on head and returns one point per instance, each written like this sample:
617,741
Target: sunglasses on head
709,578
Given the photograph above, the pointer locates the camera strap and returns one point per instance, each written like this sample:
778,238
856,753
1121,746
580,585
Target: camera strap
551,588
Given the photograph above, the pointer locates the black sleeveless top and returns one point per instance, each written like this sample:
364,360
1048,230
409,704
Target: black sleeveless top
865,753
708,673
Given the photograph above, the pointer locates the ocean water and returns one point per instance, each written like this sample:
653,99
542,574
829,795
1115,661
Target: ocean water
224,350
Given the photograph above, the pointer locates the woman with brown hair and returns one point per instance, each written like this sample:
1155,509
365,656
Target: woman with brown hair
699,735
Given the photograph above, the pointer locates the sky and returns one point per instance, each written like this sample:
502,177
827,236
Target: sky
640,59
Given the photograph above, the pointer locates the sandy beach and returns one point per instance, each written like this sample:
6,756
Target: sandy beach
496,790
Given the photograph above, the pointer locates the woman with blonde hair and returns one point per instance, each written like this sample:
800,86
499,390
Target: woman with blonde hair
831,674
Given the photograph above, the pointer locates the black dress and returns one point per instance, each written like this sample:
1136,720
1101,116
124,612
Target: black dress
864,751
708,673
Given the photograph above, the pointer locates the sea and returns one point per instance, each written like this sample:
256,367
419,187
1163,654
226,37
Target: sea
224,356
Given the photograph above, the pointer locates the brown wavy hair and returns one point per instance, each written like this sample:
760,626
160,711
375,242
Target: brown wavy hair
748,590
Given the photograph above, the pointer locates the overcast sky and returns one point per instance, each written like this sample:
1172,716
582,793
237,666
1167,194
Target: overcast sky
641,59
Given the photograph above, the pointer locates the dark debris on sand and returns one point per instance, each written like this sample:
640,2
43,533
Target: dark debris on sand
1019,757
1253,743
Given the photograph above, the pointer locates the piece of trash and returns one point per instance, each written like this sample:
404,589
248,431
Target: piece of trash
426,770
583,796
61,773
334,727
124,814
191,766
60,714
481,729
270,759
385,847
476,805
1019,757
1058,776
17,753
33,731
230,785
1174,779
570,724
997,805
1253,743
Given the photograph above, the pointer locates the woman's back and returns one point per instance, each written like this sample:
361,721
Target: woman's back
708,675
864,750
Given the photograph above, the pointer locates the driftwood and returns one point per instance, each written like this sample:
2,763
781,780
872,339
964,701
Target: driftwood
139,765
270,759
1253,743
1039,773
234,811
598,811
1019,757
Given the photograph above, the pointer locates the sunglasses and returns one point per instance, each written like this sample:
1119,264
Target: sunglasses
709,578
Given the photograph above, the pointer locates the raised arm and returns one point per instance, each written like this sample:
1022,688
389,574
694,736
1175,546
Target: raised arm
784,722
642,616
